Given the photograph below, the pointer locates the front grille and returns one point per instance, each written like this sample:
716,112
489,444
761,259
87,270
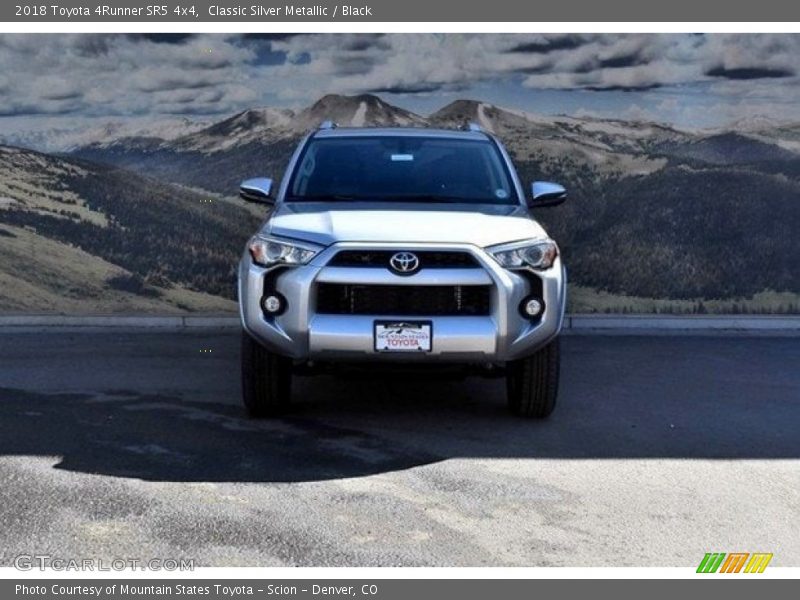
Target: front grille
430,259
403,300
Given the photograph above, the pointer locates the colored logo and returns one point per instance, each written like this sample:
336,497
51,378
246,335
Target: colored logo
734,562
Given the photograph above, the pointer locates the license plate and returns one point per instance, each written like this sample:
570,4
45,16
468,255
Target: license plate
403,336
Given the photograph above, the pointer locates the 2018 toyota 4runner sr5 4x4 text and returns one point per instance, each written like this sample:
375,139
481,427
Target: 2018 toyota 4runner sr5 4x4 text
401,248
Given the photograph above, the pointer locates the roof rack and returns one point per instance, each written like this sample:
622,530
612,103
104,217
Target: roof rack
328,125
472,127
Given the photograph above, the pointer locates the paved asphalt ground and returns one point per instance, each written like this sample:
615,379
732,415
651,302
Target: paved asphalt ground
134,445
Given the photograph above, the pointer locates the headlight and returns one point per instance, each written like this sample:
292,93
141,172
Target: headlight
270,251
536,255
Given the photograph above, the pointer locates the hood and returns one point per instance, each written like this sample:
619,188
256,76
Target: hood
324,224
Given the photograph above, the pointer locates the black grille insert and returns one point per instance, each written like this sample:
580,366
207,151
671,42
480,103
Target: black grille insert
403,300
431,259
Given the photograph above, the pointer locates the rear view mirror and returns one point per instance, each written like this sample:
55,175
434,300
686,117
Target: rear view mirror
545,193
257,189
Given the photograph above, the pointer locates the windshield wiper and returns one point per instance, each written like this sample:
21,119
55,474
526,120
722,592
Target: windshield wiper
431,198
325,198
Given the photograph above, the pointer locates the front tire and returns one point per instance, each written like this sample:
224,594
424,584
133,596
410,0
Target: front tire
266,380
532,383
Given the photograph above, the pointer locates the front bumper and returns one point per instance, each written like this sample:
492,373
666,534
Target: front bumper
301,333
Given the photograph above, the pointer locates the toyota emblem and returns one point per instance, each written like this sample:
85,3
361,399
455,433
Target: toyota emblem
404,263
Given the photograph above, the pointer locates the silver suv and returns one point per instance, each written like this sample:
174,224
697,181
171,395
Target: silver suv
402,248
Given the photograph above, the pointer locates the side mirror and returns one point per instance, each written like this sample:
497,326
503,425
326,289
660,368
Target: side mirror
258,189
546,193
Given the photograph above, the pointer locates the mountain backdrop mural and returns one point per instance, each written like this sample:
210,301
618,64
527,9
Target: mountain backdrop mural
143,217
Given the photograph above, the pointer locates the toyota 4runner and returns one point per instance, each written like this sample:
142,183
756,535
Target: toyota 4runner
401,248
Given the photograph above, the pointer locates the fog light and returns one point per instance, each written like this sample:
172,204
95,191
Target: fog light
532,307
272,304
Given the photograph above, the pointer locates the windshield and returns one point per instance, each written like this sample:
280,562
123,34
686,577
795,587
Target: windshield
401,168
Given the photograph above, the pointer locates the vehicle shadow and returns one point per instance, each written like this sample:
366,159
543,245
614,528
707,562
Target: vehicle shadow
638,400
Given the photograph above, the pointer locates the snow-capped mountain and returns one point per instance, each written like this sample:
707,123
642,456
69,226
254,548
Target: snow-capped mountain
259,141
489,116
365,110
600,134
641,193
784,134
103,134
249,126
593,138
258,125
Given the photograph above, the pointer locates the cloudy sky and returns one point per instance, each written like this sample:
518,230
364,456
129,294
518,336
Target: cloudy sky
685,79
